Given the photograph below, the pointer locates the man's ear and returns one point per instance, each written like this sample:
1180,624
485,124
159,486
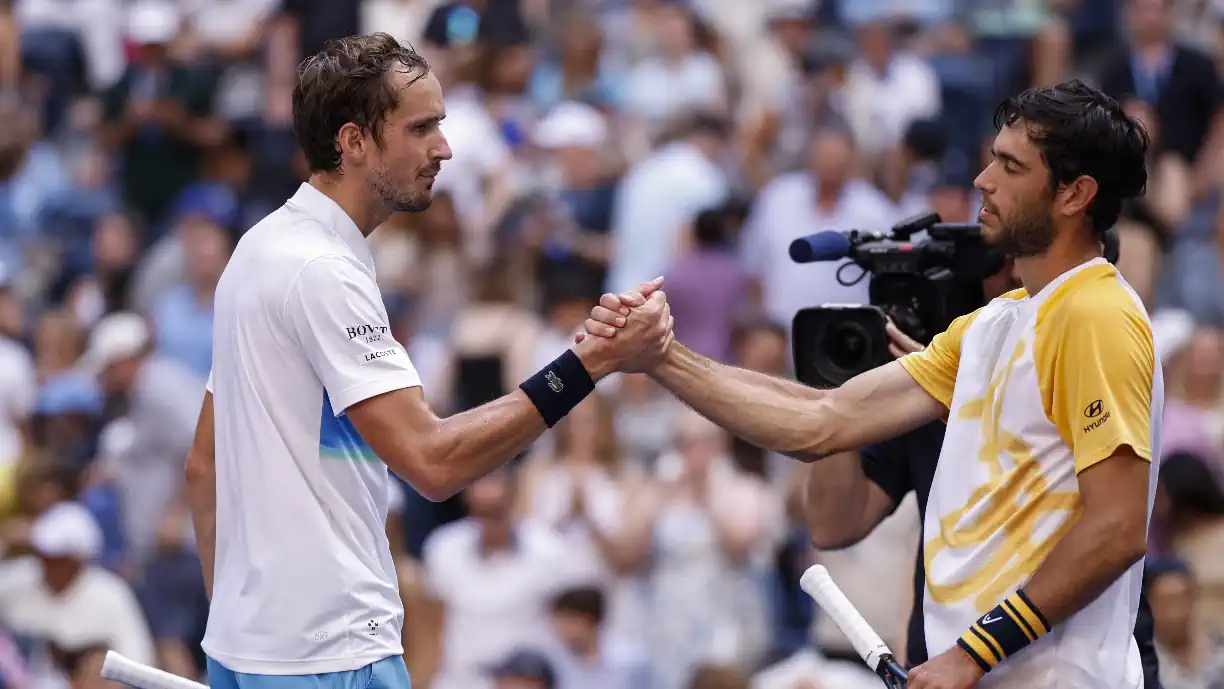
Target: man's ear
1076,197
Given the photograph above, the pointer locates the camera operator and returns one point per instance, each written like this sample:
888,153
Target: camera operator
849,494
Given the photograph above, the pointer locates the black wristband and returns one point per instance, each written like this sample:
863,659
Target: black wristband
1012,625
558,387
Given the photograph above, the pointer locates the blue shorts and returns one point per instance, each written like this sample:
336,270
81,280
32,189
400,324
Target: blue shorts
388,673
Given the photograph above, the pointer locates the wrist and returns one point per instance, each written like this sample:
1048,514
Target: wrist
597,365
1004,631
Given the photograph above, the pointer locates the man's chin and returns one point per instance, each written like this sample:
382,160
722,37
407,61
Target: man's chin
415,205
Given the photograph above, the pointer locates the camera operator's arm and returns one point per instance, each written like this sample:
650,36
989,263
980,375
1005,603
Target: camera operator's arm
841,506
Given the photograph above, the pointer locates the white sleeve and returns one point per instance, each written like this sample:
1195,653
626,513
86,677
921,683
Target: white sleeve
208,385
339,318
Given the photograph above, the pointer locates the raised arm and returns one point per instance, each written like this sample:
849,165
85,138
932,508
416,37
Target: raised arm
337,316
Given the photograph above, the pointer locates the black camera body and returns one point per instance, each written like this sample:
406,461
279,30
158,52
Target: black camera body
922,286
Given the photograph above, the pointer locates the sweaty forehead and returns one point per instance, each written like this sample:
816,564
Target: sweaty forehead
420,97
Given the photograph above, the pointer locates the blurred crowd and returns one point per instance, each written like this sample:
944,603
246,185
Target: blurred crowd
597,144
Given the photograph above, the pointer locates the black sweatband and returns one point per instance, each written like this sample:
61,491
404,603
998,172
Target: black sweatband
558,387
1012,625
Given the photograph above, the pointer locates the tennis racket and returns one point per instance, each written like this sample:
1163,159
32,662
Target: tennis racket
817,583
116,668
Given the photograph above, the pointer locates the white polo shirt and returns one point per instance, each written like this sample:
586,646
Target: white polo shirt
304,582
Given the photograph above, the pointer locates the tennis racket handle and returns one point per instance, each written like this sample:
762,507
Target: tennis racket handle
117,668
819,585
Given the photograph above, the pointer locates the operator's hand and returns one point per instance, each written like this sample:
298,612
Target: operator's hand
900,344
952,669
640,342
609,316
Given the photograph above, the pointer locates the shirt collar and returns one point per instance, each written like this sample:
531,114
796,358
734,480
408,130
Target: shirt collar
315,203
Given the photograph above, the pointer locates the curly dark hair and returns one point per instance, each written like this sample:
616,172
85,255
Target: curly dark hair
346,82
1081,131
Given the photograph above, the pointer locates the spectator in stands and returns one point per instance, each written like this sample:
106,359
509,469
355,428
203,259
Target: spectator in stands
682,76
158,115
18,385
482,624
585,658
660,196
183,317
1190,509
32,175
580,192
58,597
162,399
645,418
886,90
708,523
577,69
1191,656
525,670
1179,82
581,489
706,286
828,194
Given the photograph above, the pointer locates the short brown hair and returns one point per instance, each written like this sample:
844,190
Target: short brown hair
346,82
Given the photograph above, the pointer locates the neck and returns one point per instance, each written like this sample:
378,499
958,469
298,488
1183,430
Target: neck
1035,272
494,540
587,649
367,213
827,195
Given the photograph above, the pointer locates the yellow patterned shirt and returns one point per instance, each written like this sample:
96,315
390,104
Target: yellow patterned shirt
1038,388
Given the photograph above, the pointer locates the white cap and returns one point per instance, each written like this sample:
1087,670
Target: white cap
67,530
153,22
117,336
572,125
1171,332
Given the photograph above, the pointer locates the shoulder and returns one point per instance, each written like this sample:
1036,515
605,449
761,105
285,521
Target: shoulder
1096,297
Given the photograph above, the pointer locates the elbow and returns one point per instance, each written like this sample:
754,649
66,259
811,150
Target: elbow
430,477
1127,534
830,536
198,470
433,484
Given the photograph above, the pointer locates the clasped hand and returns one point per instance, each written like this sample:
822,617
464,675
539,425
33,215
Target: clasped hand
630,332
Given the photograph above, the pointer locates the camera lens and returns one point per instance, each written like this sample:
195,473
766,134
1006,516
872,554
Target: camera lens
848,346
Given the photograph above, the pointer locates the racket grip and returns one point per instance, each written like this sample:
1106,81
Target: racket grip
117,668
817,583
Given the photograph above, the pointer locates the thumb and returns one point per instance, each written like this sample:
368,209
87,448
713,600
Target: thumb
646,288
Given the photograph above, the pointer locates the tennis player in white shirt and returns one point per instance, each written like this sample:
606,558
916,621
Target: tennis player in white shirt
311,399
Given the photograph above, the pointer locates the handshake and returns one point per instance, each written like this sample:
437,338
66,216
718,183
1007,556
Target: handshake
627,332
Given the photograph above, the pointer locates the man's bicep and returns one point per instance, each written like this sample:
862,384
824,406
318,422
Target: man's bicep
338,316
396,425
881,404
1097,371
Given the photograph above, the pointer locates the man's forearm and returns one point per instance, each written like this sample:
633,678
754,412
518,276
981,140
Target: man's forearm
474,443
202,499
1091,557
763,410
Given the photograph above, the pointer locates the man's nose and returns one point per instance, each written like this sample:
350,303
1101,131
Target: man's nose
443,151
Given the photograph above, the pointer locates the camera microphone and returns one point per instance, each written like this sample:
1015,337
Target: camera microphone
829,245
